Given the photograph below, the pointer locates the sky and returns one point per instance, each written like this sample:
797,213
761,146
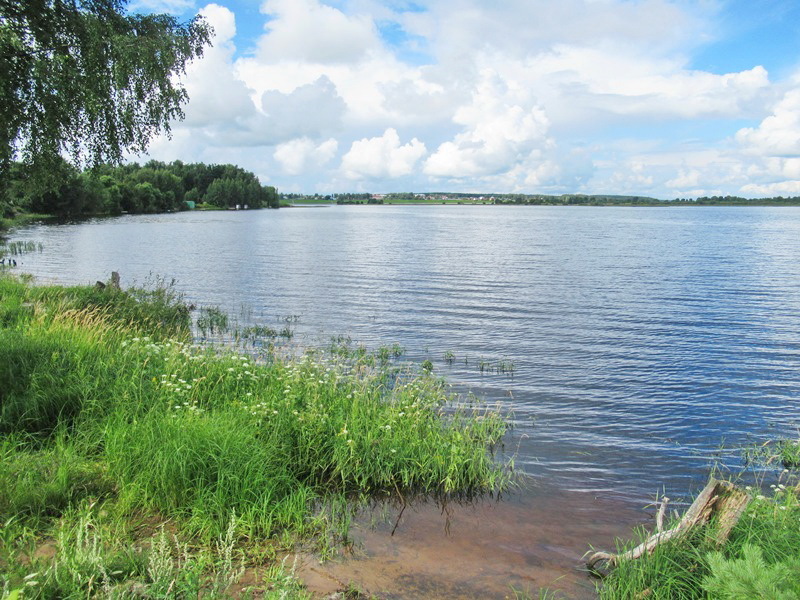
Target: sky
662,98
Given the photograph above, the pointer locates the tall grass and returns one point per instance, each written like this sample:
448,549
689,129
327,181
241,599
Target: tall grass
761,559
104,400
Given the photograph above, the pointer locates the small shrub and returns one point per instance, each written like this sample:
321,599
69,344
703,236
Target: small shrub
750,577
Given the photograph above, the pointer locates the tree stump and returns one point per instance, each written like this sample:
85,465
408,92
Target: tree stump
720,499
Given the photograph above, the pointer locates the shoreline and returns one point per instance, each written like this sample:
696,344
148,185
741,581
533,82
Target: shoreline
128,413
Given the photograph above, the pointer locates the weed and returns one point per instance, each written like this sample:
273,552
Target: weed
783,451
212,320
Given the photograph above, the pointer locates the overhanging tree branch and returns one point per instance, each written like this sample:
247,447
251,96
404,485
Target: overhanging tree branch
83,78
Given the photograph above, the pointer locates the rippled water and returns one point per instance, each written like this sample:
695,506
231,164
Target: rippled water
647,343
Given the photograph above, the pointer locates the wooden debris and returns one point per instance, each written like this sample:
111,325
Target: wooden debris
730,507
719,498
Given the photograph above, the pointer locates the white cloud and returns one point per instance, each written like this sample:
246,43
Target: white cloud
521,28
686,179
309,31
779,188
610,80
382,157
779,133
498,133
298,156
308,110
218,97
161,6
513,96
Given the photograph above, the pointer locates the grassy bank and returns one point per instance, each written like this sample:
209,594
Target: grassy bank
22,219
760,560
134,463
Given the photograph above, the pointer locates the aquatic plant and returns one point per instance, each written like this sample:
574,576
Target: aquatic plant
20,247
212,320
785,452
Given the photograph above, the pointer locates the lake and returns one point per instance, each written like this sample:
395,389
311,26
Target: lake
648,344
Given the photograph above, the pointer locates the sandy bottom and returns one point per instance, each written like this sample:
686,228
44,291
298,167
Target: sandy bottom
483,550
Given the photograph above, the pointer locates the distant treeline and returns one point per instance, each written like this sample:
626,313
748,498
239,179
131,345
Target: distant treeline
132,188
613,200
534,199
345,198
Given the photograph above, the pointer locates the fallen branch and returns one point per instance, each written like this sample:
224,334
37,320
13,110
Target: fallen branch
718,498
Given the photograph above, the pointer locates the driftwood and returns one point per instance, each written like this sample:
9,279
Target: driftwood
719,498
113,283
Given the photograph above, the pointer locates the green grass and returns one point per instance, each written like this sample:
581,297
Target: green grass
104,403
22,219
760,560
785,452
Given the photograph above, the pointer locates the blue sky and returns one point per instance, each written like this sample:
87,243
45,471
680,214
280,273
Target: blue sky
647,97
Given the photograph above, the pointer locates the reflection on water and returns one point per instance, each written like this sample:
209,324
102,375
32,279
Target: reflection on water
647,343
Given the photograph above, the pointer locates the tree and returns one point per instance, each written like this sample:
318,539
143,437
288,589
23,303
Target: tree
85,79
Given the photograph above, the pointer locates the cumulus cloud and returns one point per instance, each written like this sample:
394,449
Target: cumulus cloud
506,96
309,31
520,28
779,188
218,96
306,111
298,156
382,157
779,133
686,179
591,80
497,134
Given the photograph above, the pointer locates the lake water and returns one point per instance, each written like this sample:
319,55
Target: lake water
648,344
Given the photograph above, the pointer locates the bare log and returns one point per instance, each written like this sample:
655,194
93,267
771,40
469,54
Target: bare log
717,498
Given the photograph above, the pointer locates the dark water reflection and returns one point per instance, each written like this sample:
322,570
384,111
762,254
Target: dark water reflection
648,343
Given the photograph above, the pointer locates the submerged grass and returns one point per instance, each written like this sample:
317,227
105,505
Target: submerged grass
104,403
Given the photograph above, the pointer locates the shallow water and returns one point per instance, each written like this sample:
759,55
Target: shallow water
483,550
648,344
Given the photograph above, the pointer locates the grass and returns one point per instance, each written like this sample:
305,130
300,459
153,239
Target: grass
22,219
110,415
785,452
760,560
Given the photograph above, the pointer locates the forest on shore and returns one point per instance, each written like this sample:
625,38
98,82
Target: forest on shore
154,187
